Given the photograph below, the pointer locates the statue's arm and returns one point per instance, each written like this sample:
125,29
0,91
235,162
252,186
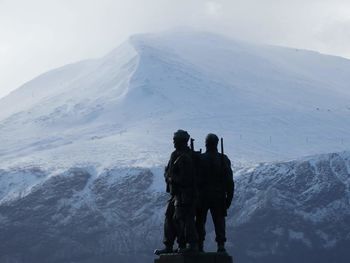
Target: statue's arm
230,185
167,175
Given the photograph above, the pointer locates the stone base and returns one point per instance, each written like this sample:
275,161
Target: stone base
194,258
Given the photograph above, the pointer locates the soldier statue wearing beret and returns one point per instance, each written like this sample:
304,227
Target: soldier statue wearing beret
216,187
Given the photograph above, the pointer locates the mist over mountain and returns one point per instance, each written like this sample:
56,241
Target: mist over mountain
84,146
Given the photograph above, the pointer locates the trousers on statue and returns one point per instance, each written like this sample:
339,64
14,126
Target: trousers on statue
218,214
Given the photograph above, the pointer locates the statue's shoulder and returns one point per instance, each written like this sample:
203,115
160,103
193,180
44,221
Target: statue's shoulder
226,158
204,155
173,154
186,156
180,157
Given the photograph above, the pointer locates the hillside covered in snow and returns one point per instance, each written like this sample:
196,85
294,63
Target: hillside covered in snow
269,103
84,147
296,211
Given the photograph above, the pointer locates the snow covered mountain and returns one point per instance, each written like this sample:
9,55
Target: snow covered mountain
84,146
270,103
296,211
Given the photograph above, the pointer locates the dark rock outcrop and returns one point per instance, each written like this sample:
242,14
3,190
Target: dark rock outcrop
297,211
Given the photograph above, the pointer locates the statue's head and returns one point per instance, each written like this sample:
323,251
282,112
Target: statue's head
211,142
180,139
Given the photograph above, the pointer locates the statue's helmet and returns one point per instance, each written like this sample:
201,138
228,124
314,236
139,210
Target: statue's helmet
181,135
212,139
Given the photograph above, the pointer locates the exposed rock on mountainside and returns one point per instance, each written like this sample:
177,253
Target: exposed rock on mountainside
297,211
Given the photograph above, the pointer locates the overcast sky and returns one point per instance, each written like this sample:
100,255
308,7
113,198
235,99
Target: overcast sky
38,35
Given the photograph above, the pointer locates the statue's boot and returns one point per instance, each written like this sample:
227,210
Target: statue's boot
181,248
221,248
166,250
201,247
191,248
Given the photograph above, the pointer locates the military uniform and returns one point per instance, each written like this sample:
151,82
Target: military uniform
180,176
180,179
216,186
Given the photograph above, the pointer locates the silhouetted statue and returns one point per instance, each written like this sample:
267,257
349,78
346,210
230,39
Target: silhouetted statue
215,188
179,217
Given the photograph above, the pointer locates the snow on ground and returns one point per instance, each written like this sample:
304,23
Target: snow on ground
83,142
269,103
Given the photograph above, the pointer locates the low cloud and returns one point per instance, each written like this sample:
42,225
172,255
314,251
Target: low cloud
39,35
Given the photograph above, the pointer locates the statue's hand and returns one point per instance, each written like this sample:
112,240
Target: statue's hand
168,180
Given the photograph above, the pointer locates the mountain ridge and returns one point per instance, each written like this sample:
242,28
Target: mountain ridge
291,211
82,157
269,103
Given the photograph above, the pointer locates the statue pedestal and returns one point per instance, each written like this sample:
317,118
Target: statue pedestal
194,258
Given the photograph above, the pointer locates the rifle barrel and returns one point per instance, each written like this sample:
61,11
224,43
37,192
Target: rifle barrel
222,145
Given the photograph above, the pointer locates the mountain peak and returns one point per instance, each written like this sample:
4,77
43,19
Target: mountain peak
268,102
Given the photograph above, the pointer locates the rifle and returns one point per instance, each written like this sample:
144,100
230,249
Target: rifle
222,147
195,158
192,147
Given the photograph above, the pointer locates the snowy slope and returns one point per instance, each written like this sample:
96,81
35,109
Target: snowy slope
269,103
296,211
84,146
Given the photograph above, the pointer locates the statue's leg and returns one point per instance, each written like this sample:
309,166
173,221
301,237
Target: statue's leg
180,222
169,230
218,215
169,225
187,235
190,226
201,219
